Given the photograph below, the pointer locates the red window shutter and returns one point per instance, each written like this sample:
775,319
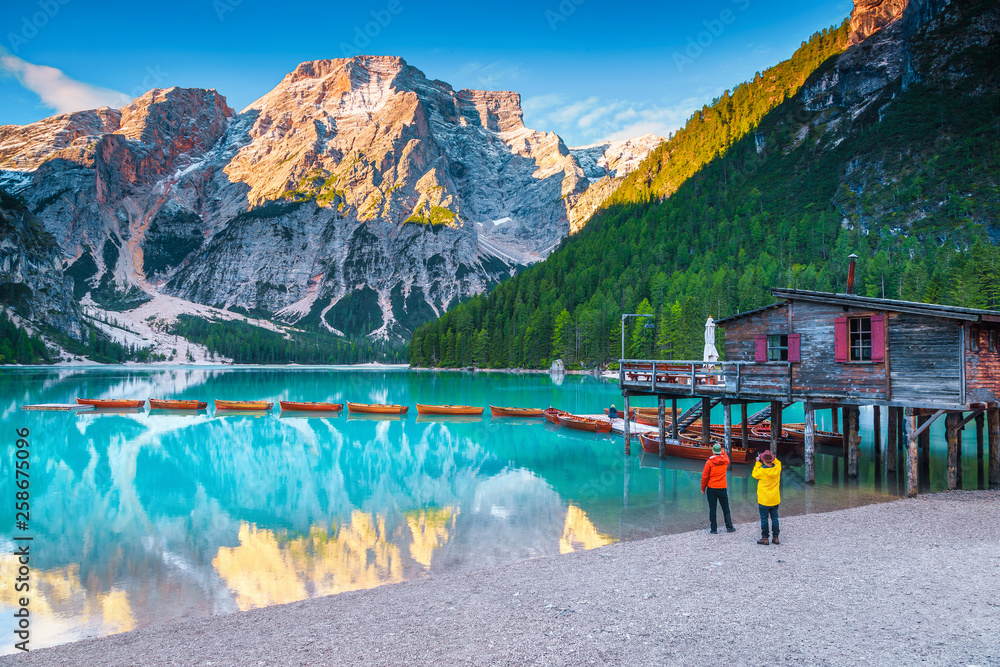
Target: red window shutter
794,348
840,339
760,348
878,338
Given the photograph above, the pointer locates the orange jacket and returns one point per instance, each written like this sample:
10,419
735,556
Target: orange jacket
714,475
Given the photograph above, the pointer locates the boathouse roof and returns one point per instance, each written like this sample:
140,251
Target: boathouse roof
893,305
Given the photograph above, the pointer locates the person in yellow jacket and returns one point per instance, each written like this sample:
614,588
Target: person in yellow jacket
767,472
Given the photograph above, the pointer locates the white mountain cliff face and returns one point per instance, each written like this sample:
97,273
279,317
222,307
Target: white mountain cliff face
358,195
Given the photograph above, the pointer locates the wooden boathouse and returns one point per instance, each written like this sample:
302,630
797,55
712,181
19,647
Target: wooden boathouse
841,351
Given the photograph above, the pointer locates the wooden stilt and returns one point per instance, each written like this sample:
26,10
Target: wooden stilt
958,455
877,446
745,425
706,421
847,431
890,441
834,422
980,440
852,418
727,425
628,434
911,457
901,430
993,419
673,418
924,445
775,425
980,423
877,427
951,436
662,423
810,415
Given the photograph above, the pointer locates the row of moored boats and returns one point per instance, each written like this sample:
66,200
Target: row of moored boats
689,443
312,406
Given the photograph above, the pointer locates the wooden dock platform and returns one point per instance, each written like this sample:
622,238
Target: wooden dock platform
58,407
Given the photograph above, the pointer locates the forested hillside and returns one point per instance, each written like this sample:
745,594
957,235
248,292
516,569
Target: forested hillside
909,183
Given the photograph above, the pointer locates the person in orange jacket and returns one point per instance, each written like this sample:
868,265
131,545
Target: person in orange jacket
713,484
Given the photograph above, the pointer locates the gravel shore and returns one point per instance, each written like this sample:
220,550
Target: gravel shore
907,582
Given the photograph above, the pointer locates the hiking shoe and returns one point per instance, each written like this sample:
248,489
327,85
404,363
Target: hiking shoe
775,540
730,529
714,532
763,540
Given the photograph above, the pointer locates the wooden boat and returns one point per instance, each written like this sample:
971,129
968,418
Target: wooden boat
243,405
763,431
454,419
111,402
585,424
797,432
498,411
689,449
308,406
377,408
424,409
553,415
164,404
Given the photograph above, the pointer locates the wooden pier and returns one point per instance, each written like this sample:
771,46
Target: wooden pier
839,352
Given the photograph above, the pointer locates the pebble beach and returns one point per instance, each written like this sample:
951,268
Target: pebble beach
914,581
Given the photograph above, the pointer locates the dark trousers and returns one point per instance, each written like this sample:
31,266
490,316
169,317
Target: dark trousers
720,496
766,511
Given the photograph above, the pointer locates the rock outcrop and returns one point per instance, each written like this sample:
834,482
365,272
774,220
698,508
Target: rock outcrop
357,195
32,282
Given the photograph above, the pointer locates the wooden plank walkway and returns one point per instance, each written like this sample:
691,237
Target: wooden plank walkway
618,426
58,407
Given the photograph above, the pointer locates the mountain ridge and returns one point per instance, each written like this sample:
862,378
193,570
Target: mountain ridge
887,149
356,196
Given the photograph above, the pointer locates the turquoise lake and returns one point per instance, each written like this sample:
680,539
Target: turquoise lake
142,518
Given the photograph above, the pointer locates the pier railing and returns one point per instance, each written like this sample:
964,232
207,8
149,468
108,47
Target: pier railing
731,379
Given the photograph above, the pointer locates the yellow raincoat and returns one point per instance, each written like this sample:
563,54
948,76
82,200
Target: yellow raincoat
768,493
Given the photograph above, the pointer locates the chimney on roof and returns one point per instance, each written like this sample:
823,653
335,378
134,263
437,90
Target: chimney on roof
850,273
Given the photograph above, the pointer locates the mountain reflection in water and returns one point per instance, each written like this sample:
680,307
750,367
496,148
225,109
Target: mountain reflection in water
148,518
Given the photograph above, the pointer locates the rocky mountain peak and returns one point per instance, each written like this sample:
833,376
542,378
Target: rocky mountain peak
358,195
870,16
178,119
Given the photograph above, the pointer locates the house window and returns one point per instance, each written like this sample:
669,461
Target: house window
861,338
777,347
973,339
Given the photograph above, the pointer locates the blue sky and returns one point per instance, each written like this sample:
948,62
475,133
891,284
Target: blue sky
586,69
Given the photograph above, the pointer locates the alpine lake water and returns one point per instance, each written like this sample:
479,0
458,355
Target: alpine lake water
143,518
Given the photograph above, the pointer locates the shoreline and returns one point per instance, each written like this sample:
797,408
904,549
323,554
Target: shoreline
847,587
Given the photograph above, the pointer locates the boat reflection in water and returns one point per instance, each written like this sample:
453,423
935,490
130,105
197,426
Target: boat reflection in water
159,517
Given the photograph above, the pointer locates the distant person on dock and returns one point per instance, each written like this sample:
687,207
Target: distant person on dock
612,412
713,484
767,472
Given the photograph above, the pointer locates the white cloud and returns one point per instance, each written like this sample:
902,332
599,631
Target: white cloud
59,91
594,119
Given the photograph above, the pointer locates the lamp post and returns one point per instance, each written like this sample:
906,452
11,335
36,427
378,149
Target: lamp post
648,325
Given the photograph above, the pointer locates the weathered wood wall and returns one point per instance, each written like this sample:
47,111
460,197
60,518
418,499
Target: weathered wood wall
819,374
982,366
924,359
741,334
